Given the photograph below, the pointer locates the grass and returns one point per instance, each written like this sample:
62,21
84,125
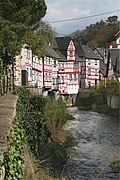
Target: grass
32,169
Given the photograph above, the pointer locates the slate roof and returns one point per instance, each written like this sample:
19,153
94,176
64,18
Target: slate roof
50,52
62,56
54,44
63,42
86,52
101,51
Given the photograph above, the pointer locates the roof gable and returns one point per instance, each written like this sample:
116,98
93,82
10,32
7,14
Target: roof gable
63,42
71,46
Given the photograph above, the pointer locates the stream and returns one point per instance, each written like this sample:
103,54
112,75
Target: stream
97,143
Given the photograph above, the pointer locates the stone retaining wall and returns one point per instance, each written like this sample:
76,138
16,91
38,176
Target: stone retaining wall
7,114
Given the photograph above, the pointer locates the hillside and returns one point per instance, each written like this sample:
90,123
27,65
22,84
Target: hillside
98,34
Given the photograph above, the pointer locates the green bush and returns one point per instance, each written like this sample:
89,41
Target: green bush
103,108
14,157
54,158
56,114
30,110
115,164
42,121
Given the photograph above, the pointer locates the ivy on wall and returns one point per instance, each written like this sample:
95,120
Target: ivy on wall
30,109
13,159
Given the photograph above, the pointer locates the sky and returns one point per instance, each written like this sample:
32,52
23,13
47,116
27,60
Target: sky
58,10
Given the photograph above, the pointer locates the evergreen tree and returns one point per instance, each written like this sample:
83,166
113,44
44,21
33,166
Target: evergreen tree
20,23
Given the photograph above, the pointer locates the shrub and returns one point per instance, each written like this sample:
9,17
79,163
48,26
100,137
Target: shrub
30,110
115,164
42,121
57,115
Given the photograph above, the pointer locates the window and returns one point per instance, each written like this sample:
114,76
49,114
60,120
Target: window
53,81
89,72
38,61
75,76
35,60
62,79
49,60
28,54
71,53
49,77
63,67
46,77
89,62
54,63
95,62
30,72
35,77
76,64
70,76
38,76
59,79
95,72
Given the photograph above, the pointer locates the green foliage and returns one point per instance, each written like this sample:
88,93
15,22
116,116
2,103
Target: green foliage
30,109
101,93
112,87
115,164
20,24
28,12
56,115
54,158
46,139
106,89
14,156
98,34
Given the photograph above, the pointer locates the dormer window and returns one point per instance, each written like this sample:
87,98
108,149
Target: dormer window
71,53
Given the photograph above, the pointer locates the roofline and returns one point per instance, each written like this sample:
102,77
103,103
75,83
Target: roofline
117,33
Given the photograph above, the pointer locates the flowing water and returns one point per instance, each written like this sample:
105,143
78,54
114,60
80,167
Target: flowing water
97,143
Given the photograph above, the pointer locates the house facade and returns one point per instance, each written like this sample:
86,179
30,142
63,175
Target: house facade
103,54
69,66
113,62
37,72
23,68
62,70
90,65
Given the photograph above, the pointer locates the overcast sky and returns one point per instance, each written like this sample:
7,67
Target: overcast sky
69,9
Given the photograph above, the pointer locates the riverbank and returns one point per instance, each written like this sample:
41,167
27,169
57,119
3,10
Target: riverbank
33,144
42,120
104,109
